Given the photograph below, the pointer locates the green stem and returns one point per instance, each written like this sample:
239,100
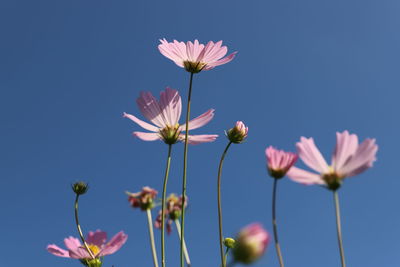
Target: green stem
221,238
185,251
277,246
339,228
185,167
164,196
226,253
78,226
151,234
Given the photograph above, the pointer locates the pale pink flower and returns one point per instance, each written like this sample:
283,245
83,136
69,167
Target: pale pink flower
349,158
97,243
143,199
195,57
165,115
279,162
173,211
238,133
251,243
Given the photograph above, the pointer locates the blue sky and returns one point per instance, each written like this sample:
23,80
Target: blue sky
69,69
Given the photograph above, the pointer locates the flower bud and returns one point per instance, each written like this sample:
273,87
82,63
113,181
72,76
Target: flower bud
238,133
80,188
229,242
251,243
92,262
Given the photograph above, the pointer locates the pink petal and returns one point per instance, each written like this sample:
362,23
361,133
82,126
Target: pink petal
147,136
55,250
79,253
141,123
221,62
199,139
171,106
361,160
304,177
213,52
346,146
72,242
311,156
201,120
97,238
169,52
115,244
150,108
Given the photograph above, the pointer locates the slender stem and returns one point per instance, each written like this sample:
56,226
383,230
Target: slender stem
164,196
185,251
339,228
78,226
226,253
221,238
185,166
277,246
151,234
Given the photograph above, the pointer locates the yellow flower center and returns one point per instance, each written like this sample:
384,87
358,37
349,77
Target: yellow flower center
95,249
194,67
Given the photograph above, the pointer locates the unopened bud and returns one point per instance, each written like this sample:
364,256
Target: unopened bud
238,133
80,188
229,242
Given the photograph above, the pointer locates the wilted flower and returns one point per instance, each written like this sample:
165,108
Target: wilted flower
195,57
349,159
165,114
251,243
238,133
173,211
143,199
279,162
97,244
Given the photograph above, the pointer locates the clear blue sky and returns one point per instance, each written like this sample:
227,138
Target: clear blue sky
69,69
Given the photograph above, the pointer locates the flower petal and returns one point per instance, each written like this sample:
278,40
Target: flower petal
220,62
171,106
147,136
346,146
311,156
79,253
304,177
72,242
141,123
150,108
115,244
55,250
201,120
97,238
198,139
362,158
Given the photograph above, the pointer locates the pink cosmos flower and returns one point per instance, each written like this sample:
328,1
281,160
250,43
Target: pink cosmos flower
349,158
279,162
195,57
173,211
143,199
251,243
165,115
96,242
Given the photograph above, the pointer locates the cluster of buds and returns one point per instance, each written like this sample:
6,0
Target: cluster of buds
173,211
143,199
238,133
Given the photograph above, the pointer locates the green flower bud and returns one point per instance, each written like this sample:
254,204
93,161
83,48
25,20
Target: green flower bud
229,242
80,188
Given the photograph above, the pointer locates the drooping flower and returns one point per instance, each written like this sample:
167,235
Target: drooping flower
173,211
279,162
349,158
143,199
97,243
251,243
238,133
165,115
195,57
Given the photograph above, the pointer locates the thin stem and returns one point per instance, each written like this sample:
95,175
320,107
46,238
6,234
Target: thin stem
185,251
185,166
277,246
339,228
164,196
226,253
221,238
151,234
78,226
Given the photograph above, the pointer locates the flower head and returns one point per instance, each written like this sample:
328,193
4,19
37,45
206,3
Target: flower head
80,188
143,199
238,133
195,57
349,158
173,211
165,115
279,162
97,243
251,243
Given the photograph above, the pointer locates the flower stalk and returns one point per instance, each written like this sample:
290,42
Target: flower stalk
339,227
151,234
78,226
185,251
274,223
